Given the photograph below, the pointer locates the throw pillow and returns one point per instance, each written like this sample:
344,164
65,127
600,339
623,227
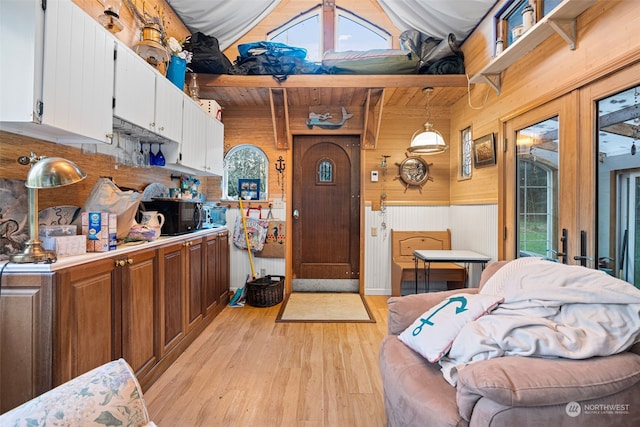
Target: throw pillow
432,333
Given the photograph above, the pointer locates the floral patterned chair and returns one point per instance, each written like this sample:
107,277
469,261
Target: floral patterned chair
106,396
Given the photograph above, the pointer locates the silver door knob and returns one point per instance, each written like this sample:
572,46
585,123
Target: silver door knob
296,214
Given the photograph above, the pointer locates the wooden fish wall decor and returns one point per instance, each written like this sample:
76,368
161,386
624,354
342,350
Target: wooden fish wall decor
320,120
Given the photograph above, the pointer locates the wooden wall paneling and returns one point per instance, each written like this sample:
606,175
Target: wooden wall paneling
130,34
546,73
398,125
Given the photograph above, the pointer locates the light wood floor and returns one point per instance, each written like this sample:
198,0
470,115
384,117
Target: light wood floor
247,370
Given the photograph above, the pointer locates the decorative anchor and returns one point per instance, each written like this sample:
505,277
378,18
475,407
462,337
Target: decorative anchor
280,167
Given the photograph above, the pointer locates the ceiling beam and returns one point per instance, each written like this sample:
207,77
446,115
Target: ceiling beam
280,117
334,80
375,101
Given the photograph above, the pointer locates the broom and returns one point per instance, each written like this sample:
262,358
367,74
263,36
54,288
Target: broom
238,297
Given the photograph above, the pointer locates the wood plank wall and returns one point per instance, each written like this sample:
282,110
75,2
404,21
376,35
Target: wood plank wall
605,44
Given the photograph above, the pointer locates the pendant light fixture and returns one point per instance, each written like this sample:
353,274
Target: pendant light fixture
430,141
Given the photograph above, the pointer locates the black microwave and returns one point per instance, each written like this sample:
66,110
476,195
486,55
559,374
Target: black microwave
180,215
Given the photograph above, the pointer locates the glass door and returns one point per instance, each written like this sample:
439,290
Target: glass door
618,184
539,195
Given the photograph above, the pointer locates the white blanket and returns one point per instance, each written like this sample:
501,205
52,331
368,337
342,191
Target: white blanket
549,310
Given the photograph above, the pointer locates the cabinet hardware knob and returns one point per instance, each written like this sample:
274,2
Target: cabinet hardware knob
119,263
129,261
152,124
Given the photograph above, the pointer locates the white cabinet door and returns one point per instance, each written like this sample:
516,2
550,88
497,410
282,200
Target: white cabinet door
21,44
215,146
135,89
194,134
168,117
77,74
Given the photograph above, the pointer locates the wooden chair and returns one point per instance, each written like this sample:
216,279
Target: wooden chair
403,263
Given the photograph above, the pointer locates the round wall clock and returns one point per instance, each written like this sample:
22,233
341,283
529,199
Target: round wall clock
413,172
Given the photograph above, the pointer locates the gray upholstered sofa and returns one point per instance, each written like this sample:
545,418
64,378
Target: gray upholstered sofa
505,391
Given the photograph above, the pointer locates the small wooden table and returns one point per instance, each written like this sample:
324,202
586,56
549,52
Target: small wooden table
454,255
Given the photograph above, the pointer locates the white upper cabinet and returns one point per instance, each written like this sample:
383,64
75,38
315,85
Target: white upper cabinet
168,109
146,98
215,147
194,136
68,61
134,90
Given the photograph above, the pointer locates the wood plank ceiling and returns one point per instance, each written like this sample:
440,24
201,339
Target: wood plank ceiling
313,90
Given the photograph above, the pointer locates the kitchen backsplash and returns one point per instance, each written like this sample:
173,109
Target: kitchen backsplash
13,146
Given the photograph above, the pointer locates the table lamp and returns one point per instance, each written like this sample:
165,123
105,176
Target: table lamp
45,172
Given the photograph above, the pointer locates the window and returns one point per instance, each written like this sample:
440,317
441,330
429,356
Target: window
466,146
537,188
243,162
347,31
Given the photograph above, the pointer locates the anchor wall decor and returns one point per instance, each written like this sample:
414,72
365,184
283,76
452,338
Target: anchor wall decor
320,120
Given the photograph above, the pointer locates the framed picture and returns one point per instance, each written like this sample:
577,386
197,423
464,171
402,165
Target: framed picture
249,188
484,151
466,150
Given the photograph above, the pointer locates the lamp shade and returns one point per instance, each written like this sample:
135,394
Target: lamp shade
428,142
50,172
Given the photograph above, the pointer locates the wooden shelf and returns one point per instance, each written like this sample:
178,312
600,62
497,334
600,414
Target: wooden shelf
561,20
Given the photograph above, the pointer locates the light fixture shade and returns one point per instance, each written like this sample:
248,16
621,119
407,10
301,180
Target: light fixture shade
51,172
428,142
152,51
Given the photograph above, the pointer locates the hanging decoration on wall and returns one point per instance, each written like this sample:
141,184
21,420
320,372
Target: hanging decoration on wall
413,172
321,120
280,166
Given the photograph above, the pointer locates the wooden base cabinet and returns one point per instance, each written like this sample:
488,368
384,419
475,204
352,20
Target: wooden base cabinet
146,306
26,335
216,282
84,319
138,287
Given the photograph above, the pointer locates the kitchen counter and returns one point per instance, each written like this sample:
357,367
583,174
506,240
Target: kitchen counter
123,248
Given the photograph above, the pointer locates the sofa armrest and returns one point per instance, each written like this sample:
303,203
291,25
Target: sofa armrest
404,310
532,381
107,395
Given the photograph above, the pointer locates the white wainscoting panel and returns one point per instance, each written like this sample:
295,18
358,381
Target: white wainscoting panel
472,227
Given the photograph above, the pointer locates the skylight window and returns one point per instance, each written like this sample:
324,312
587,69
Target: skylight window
347,31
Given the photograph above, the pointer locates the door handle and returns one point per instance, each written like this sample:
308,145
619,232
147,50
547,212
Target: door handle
583,258
296,214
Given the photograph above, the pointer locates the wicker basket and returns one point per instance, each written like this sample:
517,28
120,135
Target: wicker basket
265,291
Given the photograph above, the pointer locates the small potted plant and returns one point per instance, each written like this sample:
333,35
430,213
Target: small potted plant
178,62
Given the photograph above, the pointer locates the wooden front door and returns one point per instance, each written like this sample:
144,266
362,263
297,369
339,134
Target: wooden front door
326,207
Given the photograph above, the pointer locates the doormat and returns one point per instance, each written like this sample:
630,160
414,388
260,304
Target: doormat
325,307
